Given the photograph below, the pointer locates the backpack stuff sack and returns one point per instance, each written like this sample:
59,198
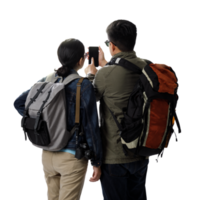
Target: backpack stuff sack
45,116
148,120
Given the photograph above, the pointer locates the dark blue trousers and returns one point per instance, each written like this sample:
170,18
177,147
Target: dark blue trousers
124,181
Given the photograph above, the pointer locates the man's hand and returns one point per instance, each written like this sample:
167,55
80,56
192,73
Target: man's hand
96,174
102,57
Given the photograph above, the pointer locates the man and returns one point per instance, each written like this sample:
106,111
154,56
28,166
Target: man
123,177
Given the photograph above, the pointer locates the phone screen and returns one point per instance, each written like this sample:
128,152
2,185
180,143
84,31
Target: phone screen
94,53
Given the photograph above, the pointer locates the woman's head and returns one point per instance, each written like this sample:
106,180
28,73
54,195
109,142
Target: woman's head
71,56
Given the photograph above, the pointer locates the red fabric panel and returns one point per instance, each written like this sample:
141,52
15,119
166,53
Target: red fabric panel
158,122
166,78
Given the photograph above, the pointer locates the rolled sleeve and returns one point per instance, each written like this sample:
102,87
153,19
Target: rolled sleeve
98,82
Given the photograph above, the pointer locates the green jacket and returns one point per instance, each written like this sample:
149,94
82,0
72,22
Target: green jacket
113,85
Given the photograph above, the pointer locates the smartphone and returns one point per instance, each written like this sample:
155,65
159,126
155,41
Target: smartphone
94,53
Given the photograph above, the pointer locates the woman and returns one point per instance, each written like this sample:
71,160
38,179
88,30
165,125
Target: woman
64,175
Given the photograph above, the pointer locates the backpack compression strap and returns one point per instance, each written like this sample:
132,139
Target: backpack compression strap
25,115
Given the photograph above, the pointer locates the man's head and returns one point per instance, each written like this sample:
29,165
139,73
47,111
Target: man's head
122,36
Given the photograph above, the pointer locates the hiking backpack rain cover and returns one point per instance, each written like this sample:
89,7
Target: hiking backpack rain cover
148,121
45,116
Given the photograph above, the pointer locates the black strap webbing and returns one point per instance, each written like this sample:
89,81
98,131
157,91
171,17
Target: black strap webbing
116,121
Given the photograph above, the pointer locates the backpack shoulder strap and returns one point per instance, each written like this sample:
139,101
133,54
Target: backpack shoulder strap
72,77
78,101
126,64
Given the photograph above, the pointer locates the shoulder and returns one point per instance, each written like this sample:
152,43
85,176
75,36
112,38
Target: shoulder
104,71
86,81
86,86
148,61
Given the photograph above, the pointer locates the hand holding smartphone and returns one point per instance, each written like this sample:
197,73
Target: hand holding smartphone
94,53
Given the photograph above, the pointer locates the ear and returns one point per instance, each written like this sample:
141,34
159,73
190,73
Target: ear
113,47
80,61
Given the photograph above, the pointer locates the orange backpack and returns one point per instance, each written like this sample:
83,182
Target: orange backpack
148,122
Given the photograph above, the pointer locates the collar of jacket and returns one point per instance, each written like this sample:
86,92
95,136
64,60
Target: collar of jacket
122,54
72,71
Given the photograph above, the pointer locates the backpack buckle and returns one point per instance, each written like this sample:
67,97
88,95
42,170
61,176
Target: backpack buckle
76,127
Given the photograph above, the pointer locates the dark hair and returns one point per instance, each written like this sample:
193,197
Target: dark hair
123,34
69,53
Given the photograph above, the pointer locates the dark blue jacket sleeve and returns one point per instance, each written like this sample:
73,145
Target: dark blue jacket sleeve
19,103
91,123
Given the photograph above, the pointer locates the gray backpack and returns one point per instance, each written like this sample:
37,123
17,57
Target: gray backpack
45,116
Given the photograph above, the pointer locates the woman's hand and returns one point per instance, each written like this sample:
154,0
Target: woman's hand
91,69
96,174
